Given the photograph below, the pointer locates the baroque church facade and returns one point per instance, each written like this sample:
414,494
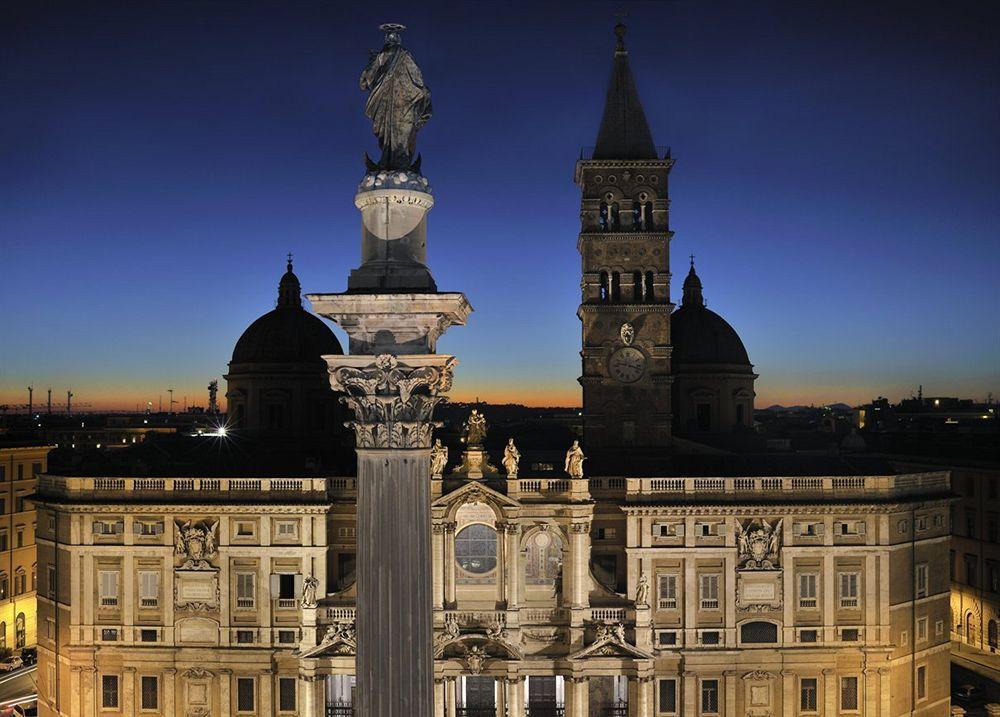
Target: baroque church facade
682,590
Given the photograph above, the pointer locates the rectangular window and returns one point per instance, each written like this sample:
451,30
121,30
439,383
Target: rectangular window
287,637
667,697
147,635
108,587
850,634
109,692
665,638
807,591
808,636
286,694
147,528
808,699
849,590
19,537
3,541
921,580
849,693
150,698
666,598
709,586
922,629
606,533
709,697
244,637
109,634
710,638
245,590
245,529
286,529
970,570
245,694
149,588
922,682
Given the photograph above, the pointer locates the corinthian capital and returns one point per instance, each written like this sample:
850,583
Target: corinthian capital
393,403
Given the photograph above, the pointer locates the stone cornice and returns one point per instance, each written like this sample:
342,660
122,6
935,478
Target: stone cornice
625,309
150,506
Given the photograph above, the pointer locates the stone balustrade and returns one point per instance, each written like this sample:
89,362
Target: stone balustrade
795,488
162,488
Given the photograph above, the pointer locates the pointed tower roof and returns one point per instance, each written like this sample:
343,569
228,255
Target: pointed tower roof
692,288
624,132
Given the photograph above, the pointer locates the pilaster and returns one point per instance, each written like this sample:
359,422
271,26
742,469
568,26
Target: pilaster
515,696
577,697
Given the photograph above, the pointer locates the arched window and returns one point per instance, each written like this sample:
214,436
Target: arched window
637,287
647,216
4,586
20,638
758,632
970,628
649,287
613,224
543,558
605,217
605,287
637,219
476,549
616,287
20,583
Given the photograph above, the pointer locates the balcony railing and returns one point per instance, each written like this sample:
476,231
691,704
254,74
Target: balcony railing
140,488
776,488
339,709
544,710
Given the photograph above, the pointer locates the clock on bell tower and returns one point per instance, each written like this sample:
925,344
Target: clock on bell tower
624,244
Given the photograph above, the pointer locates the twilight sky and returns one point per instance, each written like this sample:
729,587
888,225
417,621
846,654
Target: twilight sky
837,178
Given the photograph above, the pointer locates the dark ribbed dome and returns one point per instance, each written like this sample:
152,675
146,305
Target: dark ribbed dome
701,336
289,334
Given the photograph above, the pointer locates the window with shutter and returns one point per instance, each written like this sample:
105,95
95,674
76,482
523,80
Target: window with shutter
807,591
709,592
245,590
667,595
849,590
108,587
149,588
921,580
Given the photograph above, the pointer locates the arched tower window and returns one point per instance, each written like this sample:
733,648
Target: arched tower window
614,223
647,216
649,287
637,292
616,287
638,223
605,217
605,287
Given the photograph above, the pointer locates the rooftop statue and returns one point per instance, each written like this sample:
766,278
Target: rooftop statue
399,102
475,429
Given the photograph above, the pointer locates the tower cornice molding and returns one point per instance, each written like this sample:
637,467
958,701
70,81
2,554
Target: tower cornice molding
625,309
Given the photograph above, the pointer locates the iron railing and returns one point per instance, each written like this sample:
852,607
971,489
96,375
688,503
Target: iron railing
339,709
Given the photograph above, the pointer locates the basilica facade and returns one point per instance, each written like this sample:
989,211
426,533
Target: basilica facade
578,587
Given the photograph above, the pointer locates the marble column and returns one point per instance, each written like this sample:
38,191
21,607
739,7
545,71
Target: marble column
580,544
577,697
307,697
502,571
450,591
515,696
644,704
437,548
451,696
439,700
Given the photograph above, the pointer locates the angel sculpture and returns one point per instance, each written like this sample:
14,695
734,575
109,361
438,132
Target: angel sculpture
511,458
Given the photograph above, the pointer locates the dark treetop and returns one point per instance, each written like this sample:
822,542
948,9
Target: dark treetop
399,102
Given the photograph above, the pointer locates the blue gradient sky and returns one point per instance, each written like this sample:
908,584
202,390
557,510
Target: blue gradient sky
837,177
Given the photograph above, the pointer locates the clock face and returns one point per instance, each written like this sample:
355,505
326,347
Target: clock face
627,364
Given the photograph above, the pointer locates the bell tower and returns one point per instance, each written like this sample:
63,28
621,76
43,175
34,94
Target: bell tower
624,245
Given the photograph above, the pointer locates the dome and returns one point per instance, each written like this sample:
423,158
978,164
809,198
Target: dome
288,334
701,336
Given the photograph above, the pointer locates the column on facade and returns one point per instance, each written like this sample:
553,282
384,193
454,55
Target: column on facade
513,565
729,680
500,697
501,585
89,679
450,595
225,686
871,598
645,706
515,696
437,548
451,696
266,693
830,691
319,690
307,697
76,696
885,691
169,694
690,693
871,695
788,703
439,707
829,595
577,696
580,560
690,601
128,690
730,600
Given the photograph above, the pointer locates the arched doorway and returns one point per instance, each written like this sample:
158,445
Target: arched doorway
970,628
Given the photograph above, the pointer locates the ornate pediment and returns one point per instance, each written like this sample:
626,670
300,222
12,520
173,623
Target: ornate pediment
339,640
610,642
475,493
758,543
